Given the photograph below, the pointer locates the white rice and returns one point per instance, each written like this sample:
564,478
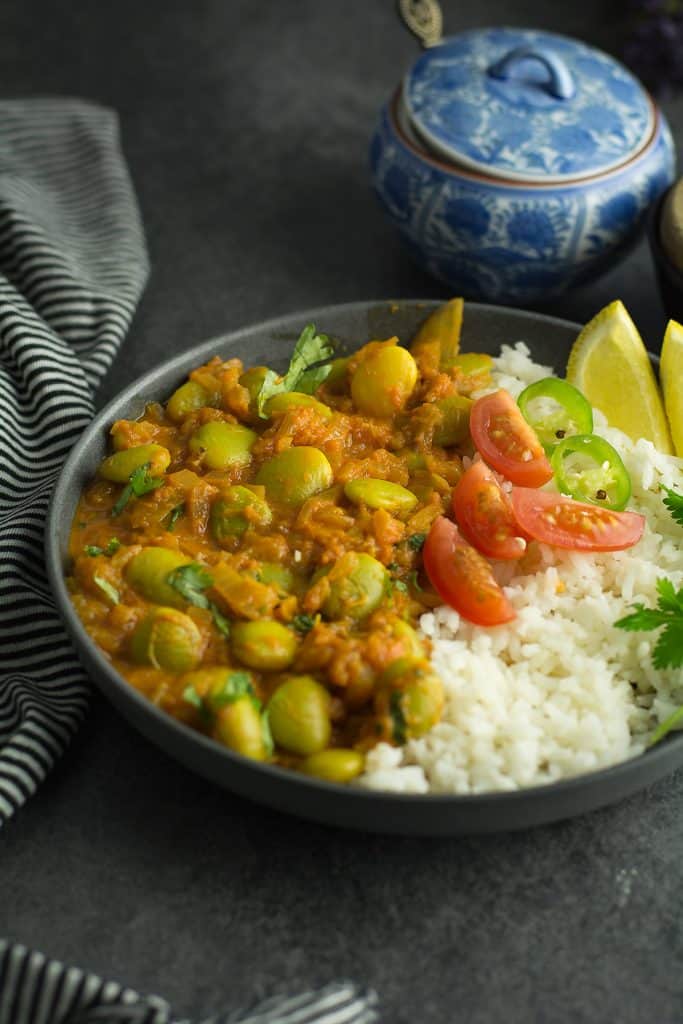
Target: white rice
559,691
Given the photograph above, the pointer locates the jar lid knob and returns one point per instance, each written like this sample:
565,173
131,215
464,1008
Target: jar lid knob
559,84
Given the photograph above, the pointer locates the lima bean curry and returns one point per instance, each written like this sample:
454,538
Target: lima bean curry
249,554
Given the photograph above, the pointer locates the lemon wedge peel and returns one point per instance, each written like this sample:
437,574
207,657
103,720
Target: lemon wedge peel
609,363
671,378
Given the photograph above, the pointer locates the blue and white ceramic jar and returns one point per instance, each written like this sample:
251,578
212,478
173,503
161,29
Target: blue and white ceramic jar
518,163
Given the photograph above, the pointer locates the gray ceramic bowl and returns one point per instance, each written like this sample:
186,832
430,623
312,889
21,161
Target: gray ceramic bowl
485,329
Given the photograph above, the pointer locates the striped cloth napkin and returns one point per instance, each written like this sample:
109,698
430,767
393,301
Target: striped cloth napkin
73,265
35,990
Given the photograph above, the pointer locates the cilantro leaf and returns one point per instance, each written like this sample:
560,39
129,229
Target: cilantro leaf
413,580
191,581
642,619
669,600
416,541
219,620
174,515
112,546
674,503
139,483
668,651
302,373
310,380
303,623
236,685
190,696
107,589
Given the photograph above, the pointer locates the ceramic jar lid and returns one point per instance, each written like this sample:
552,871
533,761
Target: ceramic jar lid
527,105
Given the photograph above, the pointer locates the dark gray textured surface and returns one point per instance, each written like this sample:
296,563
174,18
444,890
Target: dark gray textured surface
245,125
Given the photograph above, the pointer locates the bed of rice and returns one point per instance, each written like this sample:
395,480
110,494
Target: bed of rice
559,691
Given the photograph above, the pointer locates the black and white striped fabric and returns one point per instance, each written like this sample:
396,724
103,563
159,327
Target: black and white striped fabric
72,267
35,990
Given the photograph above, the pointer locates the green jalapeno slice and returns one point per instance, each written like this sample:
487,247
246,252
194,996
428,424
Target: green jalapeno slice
588,468
556,410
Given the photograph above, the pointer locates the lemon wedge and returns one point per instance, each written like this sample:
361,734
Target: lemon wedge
671,377
610,365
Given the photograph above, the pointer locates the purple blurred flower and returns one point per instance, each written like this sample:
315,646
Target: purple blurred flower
655,41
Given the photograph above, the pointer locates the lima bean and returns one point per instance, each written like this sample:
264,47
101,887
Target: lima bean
383,381
119,466
222,445
263,644
358,582
299,715
147,573
167,639
295,474
380,494
238,508
336,764
189,397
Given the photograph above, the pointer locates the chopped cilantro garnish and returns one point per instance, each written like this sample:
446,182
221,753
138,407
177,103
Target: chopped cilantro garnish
190,696
413,580
674,503
303,623
302,374
174,515
236,685
219,620
112,546
400,586
191,581
668,651
107,588
416,541
139,483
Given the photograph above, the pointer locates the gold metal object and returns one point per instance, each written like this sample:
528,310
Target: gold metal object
424,19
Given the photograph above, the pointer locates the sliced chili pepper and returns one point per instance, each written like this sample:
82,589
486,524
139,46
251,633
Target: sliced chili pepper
589,469
556,410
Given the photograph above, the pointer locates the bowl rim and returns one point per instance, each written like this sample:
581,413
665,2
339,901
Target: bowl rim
658,760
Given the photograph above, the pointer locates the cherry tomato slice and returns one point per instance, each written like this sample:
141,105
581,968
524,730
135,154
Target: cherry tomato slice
565,523
484,514
506,442
462,577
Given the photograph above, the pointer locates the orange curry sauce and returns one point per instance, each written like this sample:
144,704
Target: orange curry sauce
286,553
